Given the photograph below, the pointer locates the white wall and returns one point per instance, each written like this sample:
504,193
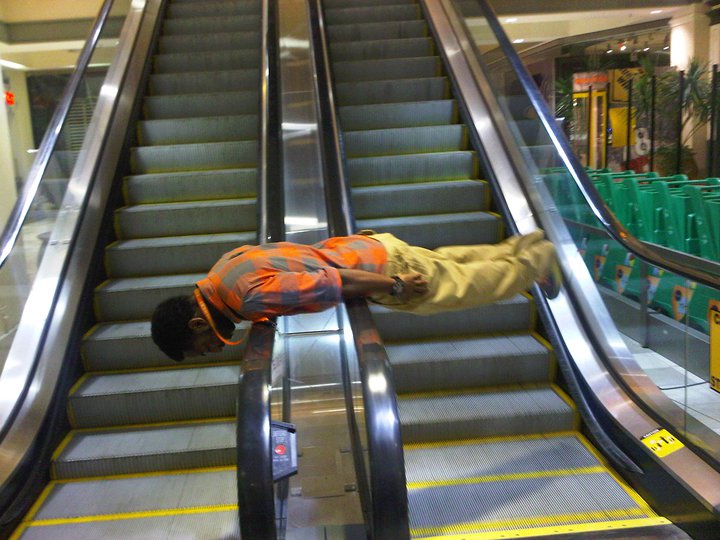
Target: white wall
8,193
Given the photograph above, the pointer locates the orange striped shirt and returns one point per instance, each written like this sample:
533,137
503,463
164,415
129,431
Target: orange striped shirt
283,278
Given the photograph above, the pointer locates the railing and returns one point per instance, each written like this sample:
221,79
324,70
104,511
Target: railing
382,478
256,494
541,183
48,297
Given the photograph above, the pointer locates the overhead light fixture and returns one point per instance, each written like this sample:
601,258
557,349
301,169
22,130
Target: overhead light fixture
519,40
12,65
656,11
623,47
511,20
609,49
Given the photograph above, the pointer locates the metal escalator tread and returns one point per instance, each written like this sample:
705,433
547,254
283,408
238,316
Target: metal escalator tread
158,447
517,486
490,439
182,504
152,451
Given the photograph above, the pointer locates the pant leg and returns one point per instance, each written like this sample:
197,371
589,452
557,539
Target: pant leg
454,286
481,252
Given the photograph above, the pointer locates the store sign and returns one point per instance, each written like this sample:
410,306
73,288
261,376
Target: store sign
9,98
583,81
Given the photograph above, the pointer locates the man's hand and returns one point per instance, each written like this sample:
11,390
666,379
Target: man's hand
415,285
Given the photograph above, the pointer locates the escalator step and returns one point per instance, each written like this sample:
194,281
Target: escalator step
373,31
432,231
372,14
190,186
490,413
206,61
193,157
187,504
512,315
384,69
128,345
130,299
204,81
155,448
193,105
420,199
391,91
205,25
184,218
406,140
396,115
470,362
387,48
157,396
189,130
412,168
215,41
352,3
212,8
172,255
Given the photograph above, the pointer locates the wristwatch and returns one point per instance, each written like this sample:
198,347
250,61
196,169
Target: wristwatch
398,287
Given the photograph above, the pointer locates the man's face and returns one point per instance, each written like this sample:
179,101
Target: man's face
204,343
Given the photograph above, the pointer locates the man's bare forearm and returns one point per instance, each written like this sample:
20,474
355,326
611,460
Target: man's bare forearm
361,283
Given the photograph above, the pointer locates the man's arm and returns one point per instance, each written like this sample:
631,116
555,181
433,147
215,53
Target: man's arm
361,283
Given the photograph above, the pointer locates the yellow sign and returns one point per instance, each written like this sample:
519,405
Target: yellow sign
661,442
714,321
620,82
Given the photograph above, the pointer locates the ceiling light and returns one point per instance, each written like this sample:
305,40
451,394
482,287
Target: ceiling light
519,40
609,48
511,20
12,65
656,11
623,47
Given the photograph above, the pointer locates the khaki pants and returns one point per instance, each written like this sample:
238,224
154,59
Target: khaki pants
461,277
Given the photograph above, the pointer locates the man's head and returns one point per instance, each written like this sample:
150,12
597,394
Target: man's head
181,331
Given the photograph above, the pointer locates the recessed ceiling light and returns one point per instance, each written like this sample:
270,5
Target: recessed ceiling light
12,65
656,11
511,20
520,40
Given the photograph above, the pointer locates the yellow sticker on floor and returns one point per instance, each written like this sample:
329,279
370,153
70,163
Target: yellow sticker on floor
661,442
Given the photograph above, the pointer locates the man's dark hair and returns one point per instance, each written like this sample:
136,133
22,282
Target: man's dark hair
170,330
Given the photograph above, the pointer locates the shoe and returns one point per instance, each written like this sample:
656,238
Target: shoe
550,284
366,232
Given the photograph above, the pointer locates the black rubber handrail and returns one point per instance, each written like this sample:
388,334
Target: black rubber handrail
385,503
256,495
677,262
47,146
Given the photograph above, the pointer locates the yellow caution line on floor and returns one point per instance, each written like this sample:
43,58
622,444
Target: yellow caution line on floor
554,530
504,477
135,515
540,526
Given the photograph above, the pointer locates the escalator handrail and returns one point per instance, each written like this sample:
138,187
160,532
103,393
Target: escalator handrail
388,506
21,208
31,372
683,264
256,498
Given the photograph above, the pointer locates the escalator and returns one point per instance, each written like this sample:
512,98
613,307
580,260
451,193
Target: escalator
493,443
152,447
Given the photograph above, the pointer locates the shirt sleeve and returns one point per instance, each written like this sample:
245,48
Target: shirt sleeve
289,293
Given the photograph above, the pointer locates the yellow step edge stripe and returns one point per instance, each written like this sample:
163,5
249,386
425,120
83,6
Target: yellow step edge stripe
553,364
166,423
169,367
509,476
555,530
499,438
490,389
548,520
151,474
135,515
618,479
